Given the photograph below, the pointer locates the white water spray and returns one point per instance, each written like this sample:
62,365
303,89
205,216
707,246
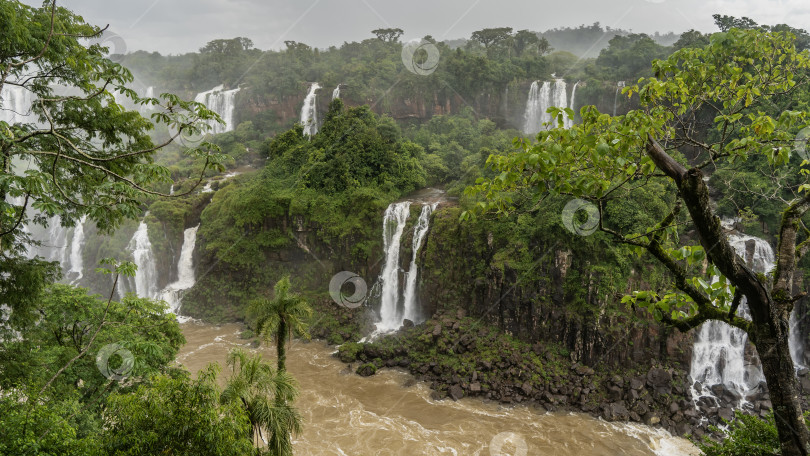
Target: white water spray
336,93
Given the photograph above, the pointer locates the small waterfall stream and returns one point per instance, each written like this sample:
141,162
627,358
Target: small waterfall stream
336,92
396,215
411,304
173,293
222,102
145,282
75,271
309,112
570,121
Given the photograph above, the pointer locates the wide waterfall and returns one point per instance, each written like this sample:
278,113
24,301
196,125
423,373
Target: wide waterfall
336,93
410,306
15,105
220,101
541,98
173,293
140,247
309,112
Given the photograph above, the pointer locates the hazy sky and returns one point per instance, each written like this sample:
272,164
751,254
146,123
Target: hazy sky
176,26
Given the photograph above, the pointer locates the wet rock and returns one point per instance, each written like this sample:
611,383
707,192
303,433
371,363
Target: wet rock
526,387
409,382
726,413
456,392
616,411
367,370
407,323
657,377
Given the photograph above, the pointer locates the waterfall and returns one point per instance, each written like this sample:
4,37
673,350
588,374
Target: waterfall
718,355
541,98
616,97
570,122
147,108
309,112
173,293
411,312
393,225
336,93
795,342
222,102
76,244
15,105
141,249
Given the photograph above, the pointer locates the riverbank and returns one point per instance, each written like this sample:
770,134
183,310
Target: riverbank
392,414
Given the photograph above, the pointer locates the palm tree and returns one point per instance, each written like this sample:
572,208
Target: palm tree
278,318
265,395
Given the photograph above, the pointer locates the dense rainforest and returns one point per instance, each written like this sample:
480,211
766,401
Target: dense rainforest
514,305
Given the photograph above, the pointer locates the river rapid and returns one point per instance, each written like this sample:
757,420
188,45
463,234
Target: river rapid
390,414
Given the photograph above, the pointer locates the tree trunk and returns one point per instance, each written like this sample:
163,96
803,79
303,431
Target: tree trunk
281,350
771,340
769,308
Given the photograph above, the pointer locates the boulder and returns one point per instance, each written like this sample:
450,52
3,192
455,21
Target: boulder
407,323
657,377
456,392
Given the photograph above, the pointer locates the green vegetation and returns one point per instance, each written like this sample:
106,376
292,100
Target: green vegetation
746,436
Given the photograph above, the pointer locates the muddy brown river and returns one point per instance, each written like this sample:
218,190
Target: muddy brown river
345,414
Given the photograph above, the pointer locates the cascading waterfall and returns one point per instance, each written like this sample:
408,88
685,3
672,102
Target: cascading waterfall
309,112
410,309
141,248
15,105
396,215
570,122
75,272
795,342
541,98
718,355
336,93
173,293
220,101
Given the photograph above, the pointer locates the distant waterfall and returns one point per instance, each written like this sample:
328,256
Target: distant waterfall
147,108
222,102
336,93
396,215
410,310
173,293
619,87
570,121
15,105
541,98
146,277
718,355
309,112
